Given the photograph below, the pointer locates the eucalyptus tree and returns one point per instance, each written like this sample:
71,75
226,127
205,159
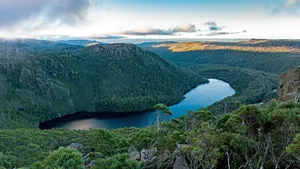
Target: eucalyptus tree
161,109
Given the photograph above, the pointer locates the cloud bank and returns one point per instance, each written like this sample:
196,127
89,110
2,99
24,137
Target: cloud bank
213,30
187,28
69,12
99,37
145,32
290,3
222,33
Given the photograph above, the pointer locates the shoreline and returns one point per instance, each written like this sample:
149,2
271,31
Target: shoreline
50,124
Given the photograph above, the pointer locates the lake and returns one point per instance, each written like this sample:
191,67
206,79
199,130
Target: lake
202,96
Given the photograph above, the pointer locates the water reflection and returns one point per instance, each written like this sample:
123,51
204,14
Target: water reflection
202,96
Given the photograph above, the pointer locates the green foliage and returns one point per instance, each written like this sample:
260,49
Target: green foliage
294,148
63,158
163,108
144,138
251,137
23,147
45,80
253,75
273,62
7,161
202,150
251,86
265,136
119,161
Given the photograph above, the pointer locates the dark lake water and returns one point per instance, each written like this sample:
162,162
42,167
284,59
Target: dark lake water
202,96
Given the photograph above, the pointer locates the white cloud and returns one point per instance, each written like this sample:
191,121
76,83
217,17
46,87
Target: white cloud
69,12
290,3
185,28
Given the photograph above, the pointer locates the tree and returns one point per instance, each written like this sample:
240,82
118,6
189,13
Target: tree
119,161
294,150
161,109
63,158
202,149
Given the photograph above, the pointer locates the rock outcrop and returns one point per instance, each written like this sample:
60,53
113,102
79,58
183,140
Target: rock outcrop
289,87
146,155
87,153
134,154
165,160
178,161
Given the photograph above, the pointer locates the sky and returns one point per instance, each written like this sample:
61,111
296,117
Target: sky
172,19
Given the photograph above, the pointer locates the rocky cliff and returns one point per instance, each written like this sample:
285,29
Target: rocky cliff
289,87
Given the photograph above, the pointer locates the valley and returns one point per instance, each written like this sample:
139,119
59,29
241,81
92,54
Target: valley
68,79
149,84
45,83
200,97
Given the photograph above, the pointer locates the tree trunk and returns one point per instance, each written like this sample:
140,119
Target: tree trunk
157,120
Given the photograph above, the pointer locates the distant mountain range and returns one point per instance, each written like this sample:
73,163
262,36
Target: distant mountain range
273,56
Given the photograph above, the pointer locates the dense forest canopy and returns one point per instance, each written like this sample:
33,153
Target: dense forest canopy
43,80
251,67
276,61
149,84
228,134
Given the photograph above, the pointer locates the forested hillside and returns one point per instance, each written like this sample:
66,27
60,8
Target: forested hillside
229,134
37,85
251,86
251,137
251,67
268,55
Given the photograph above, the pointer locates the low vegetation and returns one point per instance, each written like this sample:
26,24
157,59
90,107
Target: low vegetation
251,137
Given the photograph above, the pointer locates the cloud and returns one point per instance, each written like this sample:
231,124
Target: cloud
290,7
213,26
146,32
67,37
222,33
96,37
69,12
290,3
187,28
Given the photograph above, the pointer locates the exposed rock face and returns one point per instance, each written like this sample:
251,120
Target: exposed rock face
134,154
86,154
146,155
26,75
79,147
289,87
178,161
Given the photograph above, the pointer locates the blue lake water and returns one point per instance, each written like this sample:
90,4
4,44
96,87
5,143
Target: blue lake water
202,96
